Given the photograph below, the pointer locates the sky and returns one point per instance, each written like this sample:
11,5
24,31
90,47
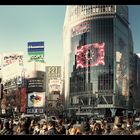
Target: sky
21,24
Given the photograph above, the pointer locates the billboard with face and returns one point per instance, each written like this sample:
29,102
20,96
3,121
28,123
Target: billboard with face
36,99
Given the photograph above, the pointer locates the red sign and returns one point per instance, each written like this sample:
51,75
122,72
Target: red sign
90,55
23,100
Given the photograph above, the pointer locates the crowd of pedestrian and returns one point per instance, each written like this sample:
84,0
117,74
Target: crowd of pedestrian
37,126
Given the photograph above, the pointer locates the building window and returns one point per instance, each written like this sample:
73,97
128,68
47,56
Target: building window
97,9
103,9
93,10
109,9
106,8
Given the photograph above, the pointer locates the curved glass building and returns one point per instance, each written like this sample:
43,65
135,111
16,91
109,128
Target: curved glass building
97,49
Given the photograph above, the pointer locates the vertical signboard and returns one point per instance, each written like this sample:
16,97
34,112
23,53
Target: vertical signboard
121,67
36,51
54,76
23,100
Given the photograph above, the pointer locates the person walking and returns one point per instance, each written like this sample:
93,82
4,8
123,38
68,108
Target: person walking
85,127
51,128
62,129
69,127
107,129
129,125
117,129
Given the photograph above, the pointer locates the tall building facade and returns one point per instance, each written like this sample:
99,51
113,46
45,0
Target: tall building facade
11,70
97,49
23,84
34,73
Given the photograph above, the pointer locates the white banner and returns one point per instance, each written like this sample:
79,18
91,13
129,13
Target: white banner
10,58
55,85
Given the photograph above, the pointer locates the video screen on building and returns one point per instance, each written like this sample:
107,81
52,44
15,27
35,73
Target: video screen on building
36,99
90,55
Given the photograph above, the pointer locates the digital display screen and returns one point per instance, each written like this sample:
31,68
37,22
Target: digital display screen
36,99
90,55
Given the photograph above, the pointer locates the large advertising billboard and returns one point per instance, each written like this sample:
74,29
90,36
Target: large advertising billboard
10,58
23,100
36,51
35,84
90,55
121,67
36,99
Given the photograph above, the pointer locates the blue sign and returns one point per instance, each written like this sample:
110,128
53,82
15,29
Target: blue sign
35,46
35,49
35,43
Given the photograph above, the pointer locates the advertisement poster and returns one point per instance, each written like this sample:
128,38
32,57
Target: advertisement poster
36,51
121,67
36,99
55,85
10,58
35,84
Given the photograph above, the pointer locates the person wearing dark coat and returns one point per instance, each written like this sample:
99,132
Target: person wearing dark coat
51,128
61,127
69,126
118,130
85,127
22,129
